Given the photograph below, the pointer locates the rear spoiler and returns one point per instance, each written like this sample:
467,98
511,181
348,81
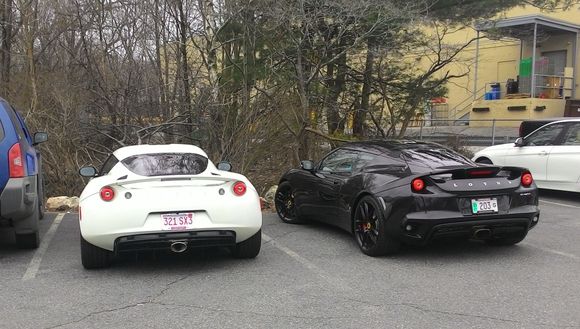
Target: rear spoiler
480,172
219,180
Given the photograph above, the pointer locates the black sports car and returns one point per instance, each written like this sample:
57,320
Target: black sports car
389,192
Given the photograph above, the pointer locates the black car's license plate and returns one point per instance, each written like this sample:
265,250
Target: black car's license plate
479,206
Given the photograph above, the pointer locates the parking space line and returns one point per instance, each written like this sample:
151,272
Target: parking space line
552,251
37,258
560,204
334,282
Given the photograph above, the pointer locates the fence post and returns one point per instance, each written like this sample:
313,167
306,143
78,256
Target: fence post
493,132
421,130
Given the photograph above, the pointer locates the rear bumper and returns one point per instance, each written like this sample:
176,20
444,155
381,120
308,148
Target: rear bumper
163,241
18,198
426,228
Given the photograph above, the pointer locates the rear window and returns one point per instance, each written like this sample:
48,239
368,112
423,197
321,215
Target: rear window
424,159
162,164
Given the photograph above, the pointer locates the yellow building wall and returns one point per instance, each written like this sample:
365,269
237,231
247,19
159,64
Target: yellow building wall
533,108
499,60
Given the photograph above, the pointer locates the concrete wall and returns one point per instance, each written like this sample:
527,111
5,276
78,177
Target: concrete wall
514,110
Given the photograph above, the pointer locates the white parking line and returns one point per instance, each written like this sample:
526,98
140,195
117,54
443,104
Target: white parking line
560,204
553,251
37,258
334,282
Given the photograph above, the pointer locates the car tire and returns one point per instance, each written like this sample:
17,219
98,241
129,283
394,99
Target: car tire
370,230
41,210
484,161
285,206
93,257
28,240
40,194
249,248
507,241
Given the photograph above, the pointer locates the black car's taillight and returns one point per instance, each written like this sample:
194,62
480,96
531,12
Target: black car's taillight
527,179
418,185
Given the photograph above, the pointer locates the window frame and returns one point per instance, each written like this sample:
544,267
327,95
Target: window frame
355,160
557,140
571,125
111,158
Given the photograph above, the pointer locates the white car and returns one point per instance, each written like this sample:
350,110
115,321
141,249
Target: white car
170,197
551,153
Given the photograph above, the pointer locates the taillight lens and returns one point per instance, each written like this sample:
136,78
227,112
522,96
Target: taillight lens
239,188
15,161
107,193
418,185
527,179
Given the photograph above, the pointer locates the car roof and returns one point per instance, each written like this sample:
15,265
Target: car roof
391,145
127,151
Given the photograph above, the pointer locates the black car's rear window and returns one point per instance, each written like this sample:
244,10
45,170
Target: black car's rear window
162,164
427,159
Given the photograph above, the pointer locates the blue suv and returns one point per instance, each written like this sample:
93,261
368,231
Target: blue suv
21,192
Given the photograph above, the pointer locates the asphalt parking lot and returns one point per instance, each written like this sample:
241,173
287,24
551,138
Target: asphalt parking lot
308,276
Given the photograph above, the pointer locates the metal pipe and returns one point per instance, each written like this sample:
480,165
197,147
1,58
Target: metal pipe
476,66
533,81
178,246
493,132
574,62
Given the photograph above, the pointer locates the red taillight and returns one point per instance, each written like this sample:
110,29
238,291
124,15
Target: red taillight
418,185
527,179
107,193
239,188
15,161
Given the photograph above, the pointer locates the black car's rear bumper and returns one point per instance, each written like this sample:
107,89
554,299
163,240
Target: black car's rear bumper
428,226
163,241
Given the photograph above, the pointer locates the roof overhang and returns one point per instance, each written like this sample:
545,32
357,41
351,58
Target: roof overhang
524,23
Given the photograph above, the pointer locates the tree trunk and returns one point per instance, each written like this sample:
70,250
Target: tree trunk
5,46
186,89
337,87
361,113
303,151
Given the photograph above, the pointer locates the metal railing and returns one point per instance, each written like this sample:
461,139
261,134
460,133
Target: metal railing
476,136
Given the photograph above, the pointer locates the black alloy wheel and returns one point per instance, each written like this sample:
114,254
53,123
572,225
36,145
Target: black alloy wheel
285,205
369,229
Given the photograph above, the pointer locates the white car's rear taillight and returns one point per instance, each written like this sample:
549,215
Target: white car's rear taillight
107,193
239,188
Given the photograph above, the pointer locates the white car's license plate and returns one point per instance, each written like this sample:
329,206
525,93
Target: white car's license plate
479,206
177,222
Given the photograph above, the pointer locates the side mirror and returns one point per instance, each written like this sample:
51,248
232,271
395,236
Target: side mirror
39,137
224,166
88,172
519,142
307,165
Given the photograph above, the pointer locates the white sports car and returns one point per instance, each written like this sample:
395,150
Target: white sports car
551,153
170,197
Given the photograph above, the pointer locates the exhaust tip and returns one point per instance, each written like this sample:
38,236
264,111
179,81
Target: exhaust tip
482,234
178,246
